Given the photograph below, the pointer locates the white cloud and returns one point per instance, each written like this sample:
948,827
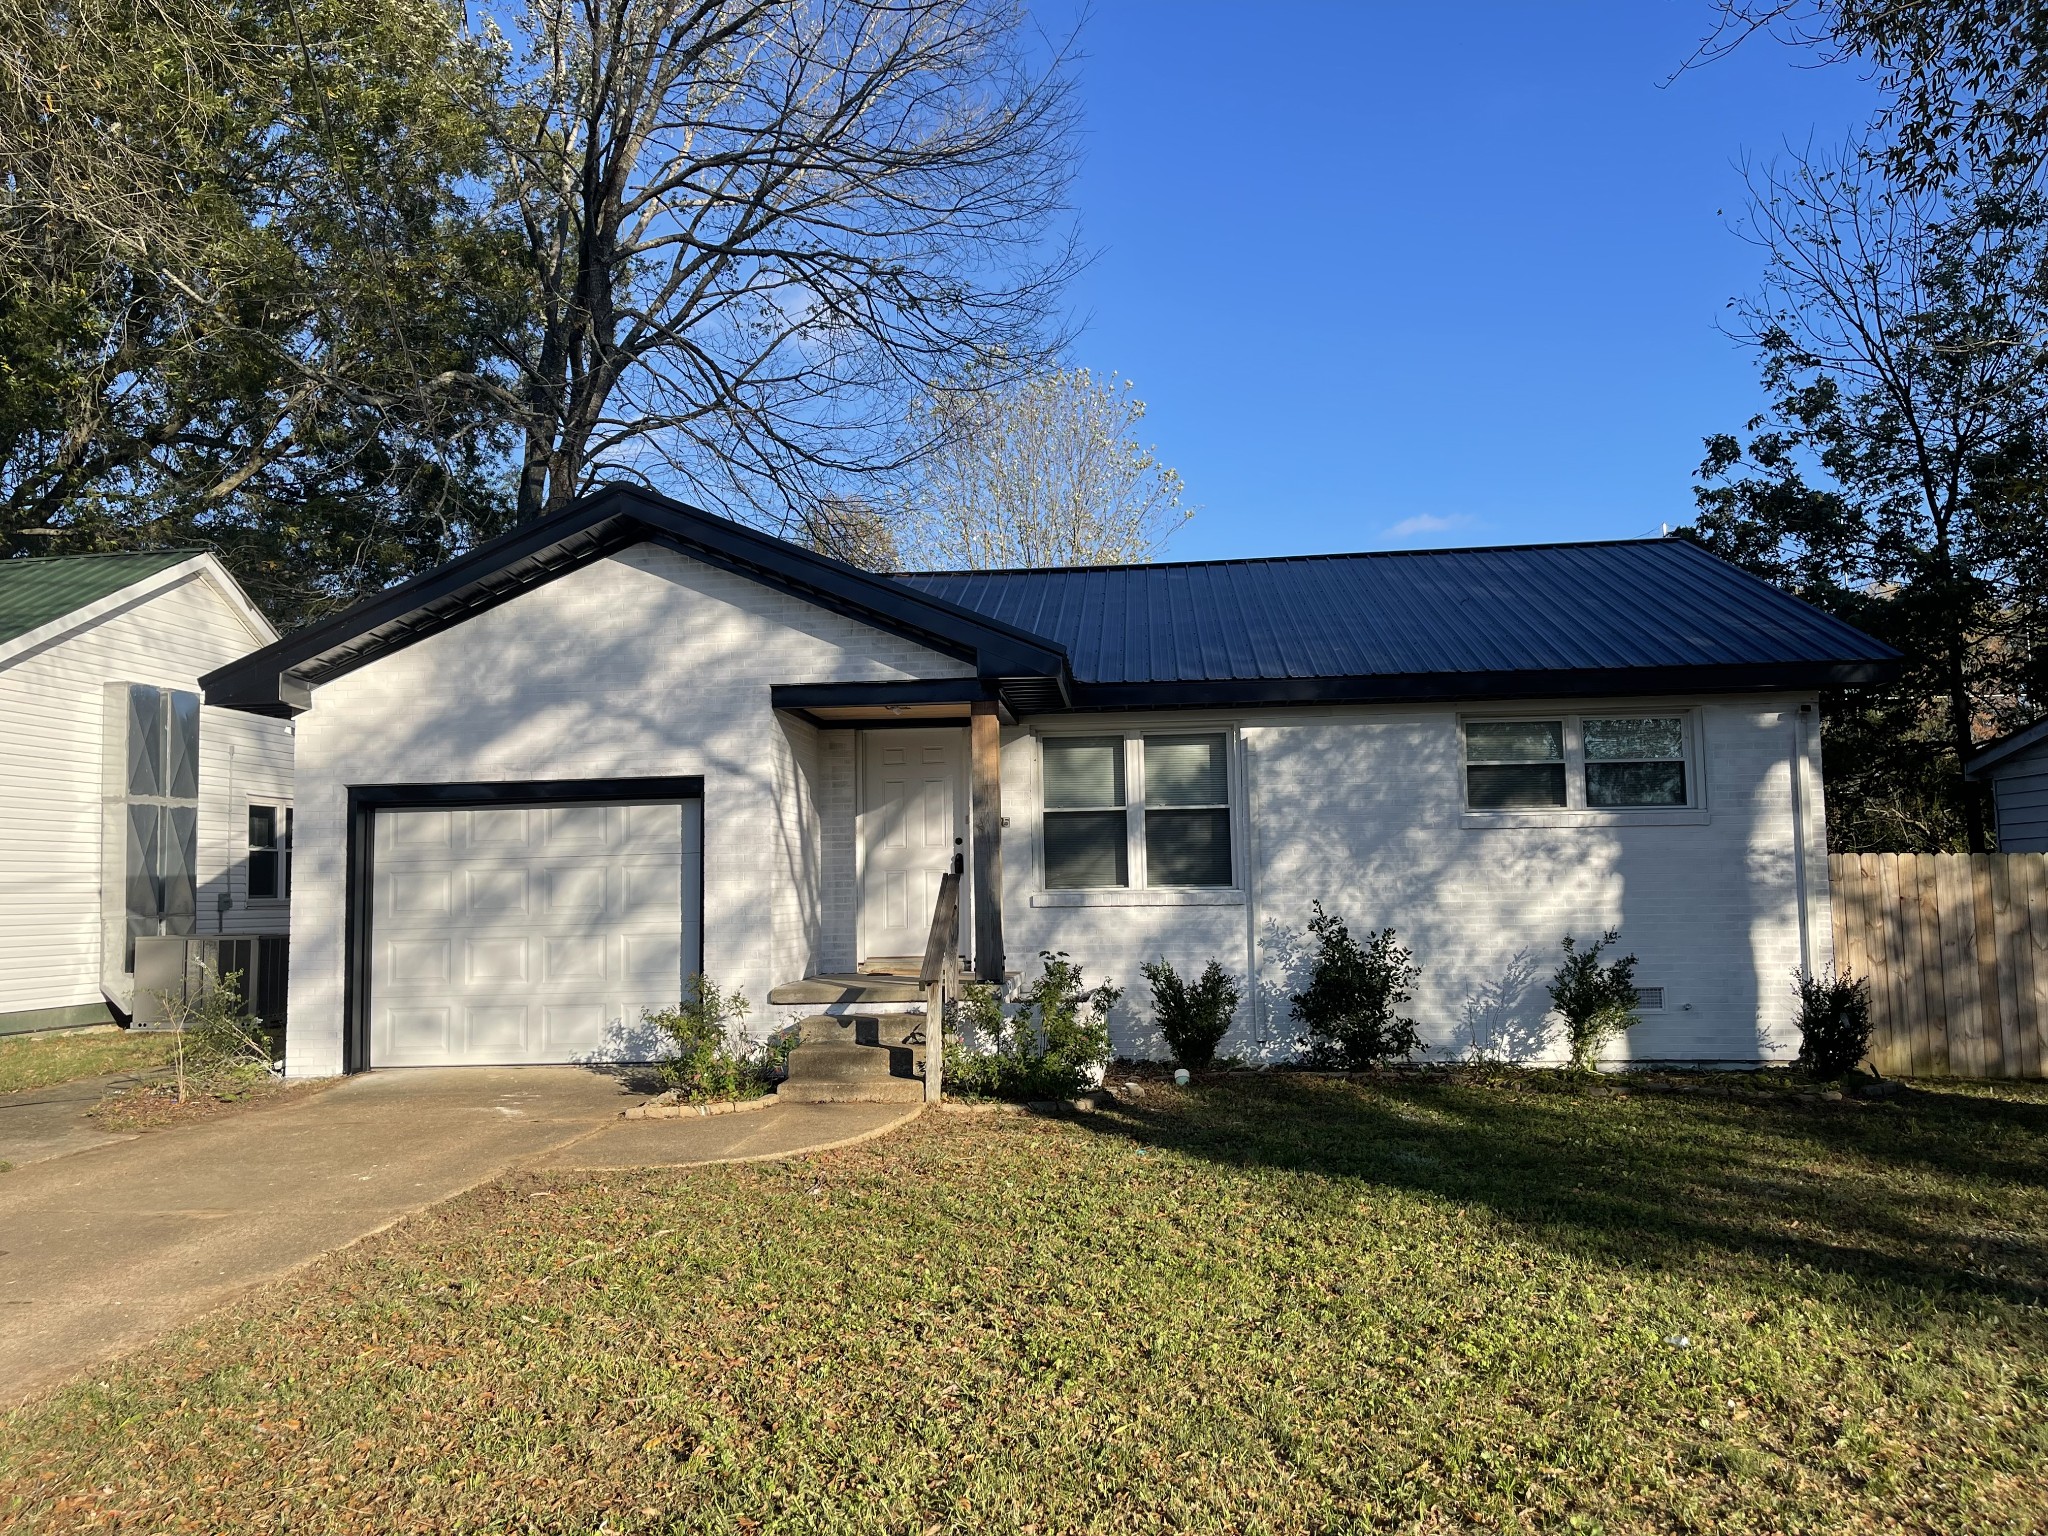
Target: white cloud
1425,524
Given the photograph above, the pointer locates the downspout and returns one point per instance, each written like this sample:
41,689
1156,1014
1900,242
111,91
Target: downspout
1799,719
1251,891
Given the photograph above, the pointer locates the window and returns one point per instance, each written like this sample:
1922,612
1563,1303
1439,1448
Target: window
1086,831
270,852
1149,811
1635,761
1512,764
151,775
1579,762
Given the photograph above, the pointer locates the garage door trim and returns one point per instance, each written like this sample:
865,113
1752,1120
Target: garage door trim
366,800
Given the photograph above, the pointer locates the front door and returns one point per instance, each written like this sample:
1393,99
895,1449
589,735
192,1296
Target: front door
913,820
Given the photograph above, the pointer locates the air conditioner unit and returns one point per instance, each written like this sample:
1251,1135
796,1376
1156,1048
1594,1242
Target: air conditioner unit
183,967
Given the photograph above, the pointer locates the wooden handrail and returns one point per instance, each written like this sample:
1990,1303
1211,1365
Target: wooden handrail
945,935
940,978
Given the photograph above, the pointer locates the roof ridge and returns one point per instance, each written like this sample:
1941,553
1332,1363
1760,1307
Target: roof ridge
101,554
1353,554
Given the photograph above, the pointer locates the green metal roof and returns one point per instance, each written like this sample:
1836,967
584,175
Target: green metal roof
34,592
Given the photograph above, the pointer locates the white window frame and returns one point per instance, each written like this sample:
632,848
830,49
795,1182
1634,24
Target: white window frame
1575,811
1140,893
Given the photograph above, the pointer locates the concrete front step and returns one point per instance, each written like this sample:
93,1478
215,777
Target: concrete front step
847,987
855,1059
884,1090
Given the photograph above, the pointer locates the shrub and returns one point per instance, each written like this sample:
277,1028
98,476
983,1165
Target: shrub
700,1060
1598,1001
1348,1008
1192,1018
216,1047
1052,1047
1834,1022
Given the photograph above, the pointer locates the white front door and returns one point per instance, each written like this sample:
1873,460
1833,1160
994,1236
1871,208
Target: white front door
518,934
913,820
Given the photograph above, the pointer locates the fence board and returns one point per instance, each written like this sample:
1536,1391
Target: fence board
1955,949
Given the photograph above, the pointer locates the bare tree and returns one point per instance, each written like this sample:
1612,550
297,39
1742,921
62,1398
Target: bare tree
1044,471
757,228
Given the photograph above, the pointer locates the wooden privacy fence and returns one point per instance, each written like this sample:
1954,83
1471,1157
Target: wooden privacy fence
1955,948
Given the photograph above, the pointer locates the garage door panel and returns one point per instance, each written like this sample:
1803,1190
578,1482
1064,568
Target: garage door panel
529,934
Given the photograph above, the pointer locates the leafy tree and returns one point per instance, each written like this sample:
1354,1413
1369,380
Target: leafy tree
1038,471
1597,1001
1896,479
241,280
1193,1017
1349,1009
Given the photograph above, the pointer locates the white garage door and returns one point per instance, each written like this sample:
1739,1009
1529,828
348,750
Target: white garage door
529,934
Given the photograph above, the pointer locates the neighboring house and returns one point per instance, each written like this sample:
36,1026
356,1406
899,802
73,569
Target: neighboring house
541,784
126,808
2016,768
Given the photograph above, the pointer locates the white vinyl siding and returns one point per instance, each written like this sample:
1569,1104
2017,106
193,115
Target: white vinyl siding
52,707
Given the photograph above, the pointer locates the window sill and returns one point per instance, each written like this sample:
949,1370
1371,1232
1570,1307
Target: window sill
1645,816
1178,896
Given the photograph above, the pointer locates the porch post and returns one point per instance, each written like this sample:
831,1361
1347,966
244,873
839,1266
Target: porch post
985,788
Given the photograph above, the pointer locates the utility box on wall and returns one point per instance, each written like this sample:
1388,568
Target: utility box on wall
183,967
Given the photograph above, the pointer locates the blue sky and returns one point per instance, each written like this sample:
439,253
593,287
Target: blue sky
1407,275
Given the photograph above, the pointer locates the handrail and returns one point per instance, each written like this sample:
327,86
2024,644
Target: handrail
945,934
940,978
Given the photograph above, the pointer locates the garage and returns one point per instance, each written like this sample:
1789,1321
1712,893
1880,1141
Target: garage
510,934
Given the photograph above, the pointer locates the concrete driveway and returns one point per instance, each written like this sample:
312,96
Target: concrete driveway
104,1249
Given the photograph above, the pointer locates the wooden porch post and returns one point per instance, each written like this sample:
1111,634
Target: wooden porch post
985,789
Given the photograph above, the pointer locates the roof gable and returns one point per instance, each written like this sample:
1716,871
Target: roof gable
43,589
2020,743
278,679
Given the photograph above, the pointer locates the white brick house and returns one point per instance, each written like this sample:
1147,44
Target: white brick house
540,786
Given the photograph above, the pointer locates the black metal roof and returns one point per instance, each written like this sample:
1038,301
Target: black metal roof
1643,616
1648,614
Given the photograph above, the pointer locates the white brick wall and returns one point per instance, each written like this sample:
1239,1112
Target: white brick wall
652,664
1363,810
648,663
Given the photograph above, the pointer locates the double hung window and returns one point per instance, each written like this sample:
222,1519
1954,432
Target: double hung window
1136,810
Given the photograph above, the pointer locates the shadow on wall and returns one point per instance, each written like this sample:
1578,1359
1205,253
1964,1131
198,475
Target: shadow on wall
1369,819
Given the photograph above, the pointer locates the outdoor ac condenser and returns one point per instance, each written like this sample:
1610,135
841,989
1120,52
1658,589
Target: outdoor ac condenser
183,966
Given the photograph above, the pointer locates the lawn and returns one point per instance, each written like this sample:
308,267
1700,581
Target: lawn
1273,1304
43,1061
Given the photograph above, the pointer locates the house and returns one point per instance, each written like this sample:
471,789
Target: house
540,784
127,808
2016,768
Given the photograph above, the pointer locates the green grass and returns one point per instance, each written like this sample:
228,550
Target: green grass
43,1061
1288,1305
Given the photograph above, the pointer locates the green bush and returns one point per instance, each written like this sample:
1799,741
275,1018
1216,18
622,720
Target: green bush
1349,1008
1052,1047
216,1047
701,1061
1598,1001
1194,1018
1834,1022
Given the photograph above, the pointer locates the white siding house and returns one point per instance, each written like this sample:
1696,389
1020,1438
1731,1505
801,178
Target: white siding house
100,657
539,787
2016,768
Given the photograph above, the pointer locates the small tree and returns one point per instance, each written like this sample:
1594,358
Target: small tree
1598,1001
1834,1022
1348,1009
1194,1018
700,1062
216,1047
1054,1045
